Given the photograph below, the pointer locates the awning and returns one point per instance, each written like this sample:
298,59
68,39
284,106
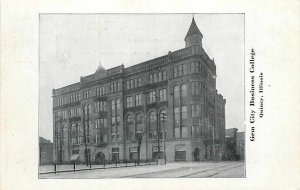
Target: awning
74,157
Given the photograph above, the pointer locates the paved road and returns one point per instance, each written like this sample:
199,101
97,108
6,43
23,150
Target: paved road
171,170
223,170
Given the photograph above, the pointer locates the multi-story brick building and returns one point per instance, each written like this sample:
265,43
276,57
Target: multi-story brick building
173,96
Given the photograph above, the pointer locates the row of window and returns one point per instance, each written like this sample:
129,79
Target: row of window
100,91
134,83
87,93
114,87
98,138
101,123
180,70
74,112
61,115
74,97
137,101
60,101
162,96
100,106
158,76
196,87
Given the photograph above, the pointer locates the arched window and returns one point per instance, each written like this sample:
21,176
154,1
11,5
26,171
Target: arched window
130,127
153,124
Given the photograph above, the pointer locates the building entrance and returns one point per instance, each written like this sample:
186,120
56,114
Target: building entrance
196,154
100,158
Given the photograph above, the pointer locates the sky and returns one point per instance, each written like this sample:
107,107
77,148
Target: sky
73,45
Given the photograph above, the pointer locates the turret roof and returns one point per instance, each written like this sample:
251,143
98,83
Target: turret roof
193,30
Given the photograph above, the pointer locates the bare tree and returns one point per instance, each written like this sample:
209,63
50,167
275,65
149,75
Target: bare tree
139,137
85,126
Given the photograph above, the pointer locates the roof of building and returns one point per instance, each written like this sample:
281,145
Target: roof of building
193,30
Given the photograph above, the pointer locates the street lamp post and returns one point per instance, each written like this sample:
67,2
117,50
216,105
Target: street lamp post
157,125
164,138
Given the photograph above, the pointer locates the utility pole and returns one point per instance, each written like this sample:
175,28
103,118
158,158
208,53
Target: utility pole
164,138
157,125
85,128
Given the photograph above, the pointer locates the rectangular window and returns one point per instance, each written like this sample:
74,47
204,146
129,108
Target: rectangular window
183,116
102,90
185,69
184,132
151,78
159,76
97,139
114,87
101,123
163,95
193,69
99,91
101,106
117,86
180,70
152,97
60,101
164,75
113,120
194,88
138,100
128,84
175,71
194,131
129,102
71,98
97,107
136,83
176,117
131,83
177,132
196,110
154,77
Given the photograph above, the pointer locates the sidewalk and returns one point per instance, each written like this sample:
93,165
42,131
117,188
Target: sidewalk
133,172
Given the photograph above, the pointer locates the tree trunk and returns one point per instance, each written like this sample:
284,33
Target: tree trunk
139,150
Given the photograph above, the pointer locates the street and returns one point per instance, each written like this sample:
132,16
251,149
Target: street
171,170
